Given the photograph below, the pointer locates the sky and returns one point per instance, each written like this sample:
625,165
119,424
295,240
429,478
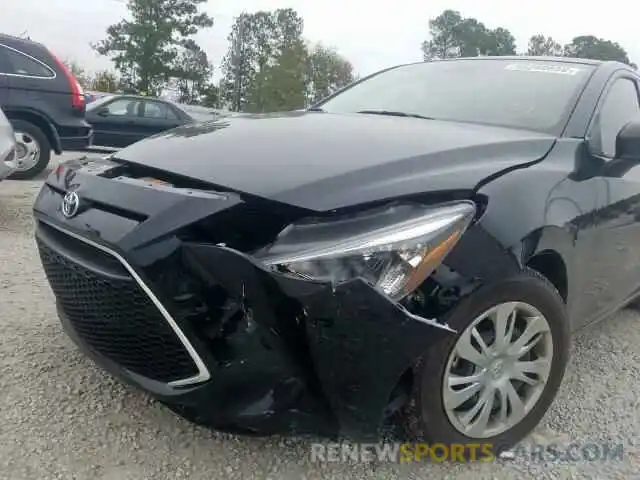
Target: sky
372,34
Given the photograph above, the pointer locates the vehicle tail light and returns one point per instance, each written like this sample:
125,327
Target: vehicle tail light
77,94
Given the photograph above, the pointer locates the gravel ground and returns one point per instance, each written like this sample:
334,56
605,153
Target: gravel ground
61,417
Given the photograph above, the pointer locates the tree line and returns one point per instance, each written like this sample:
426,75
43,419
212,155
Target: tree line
452,35
269,65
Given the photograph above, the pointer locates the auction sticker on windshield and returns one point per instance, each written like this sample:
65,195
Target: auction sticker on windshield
544,68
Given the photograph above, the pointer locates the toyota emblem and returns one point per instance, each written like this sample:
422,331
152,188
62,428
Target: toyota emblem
70,204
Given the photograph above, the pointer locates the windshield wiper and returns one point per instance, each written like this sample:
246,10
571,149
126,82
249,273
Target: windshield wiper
392,113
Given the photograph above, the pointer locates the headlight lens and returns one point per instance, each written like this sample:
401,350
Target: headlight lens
395,248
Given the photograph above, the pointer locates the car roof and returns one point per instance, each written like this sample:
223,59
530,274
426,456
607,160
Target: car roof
511,58
6,38
607,65
134,97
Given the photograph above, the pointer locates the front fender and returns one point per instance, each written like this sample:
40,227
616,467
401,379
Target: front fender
28,114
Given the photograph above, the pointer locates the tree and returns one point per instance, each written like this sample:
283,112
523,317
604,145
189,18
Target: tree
445,39
588,46
282,85
326,72
144,47
499,42
105,81
542,46
192,71
210,96
248,49
260,43
80,73
455,36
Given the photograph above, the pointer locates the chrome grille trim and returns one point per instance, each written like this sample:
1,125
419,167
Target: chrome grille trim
203,372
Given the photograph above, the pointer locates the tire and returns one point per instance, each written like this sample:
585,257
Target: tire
425,419
35,134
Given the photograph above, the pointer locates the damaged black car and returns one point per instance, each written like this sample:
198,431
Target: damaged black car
415,249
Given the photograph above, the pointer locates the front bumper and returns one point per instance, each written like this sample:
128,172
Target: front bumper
209,331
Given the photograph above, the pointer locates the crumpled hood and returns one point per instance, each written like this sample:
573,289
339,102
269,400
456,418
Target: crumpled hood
322,161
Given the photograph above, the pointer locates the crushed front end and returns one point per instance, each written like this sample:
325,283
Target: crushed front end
166,284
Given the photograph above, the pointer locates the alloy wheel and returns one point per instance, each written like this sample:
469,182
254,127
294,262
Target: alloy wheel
497,370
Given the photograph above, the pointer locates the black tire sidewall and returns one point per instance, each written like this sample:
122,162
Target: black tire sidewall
45,149
430,421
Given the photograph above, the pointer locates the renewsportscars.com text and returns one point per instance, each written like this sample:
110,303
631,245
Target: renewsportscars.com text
463,452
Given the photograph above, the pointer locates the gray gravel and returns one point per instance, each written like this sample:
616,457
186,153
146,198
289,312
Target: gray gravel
61,417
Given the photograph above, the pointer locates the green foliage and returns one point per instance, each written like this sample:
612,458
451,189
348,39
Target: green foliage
280,86
105,81
259,42
101,81
269,67
499,42
446,36
326,72
192,71
210,96
145,46
453,36
588,46
541,46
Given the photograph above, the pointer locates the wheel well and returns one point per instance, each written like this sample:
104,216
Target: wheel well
550,265
38,121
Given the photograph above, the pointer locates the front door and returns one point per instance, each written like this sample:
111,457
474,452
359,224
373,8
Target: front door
613,276
117,123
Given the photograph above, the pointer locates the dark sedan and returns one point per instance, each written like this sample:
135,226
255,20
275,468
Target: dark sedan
120,120
415,250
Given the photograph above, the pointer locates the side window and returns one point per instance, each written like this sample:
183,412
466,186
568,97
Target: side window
125,107
5,66
621,105
157,110
16,63
171,114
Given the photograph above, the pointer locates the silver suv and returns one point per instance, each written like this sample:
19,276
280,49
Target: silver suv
7,147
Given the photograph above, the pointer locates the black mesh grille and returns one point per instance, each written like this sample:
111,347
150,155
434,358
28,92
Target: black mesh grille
114,316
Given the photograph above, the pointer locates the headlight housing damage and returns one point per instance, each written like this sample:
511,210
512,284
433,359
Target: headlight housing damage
395,248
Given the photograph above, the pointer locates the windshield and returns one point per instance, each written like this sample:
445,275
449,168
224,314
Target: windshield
198,113
535,95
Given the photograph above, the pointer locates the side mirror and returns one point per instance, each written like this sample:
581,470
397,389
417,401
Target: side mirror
103,112
628,142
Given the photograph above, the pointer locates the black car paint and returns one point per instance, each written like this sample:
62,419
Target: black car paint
45,102
349,159
298,358
120,131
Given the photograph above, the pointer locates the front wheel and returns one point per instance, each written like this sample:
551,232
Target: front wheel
33,150
492,383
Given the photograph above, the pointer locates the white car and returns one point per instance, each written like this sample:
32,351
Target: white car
7,147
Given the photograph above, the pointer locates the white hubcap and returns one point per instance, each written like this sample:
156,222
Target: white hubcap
497,370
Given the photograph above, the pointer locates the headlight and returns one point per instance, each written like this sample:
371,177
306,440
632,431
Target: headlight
395,248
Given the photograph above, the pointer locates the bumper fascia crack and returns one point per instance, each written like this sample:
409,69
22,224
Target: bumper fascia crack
357,342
